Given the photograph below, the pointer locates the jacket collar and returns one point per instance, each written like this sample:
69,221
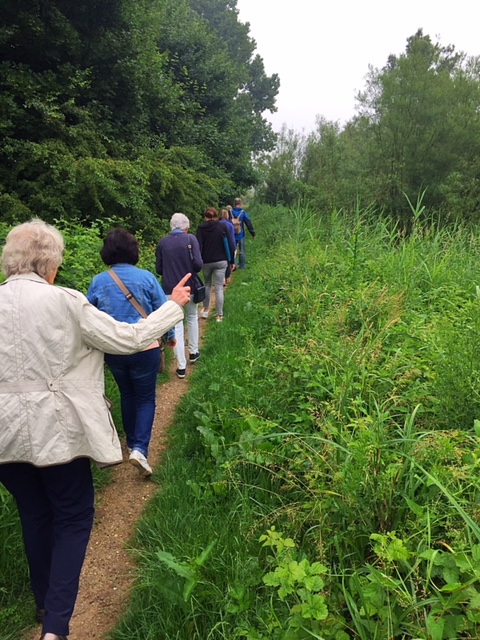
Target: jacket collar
27,276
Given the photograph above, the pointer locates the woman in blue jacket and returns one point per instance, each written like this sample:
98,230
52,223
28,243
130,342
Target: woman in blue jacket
136,374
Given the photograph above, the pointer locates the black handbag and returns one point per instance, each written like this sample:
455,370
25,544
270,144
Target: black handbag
198,288
198,291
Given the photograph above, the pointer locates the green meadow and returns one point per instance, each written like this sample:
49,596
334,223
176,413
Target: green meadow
321,479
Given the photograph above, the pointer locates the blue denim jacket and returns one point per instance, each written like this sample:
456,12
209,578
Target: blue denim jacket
105,294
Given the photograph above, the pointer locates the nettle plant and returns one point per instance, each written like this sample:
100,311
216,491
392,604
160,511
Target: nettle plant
434,593
298,608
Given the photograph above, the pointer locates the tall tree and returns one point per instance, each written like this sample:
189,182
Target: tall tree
423,111
125,109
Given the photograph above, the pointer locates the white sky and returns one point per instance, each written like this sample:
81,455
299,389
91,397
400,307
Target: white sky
321,49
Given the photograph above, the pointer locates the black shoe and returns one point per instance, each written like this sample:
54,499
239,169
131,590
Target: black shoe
194,357
39,615
180,373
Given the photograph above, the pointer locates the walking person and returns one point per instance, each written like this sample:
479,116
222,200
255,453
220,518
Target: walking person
177,254
211,235
135,374
54,417
240,219
225,220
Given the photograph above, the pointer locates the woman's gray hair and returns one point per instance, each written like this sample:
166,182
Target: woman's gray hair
179,221
33,246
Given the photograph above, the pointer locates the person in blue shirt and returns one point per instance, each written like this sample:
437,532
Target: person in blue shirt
135,374
240,215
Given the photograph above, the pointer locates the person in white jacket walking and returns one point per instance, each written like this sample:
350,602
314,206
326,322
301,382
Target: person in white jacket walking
54,417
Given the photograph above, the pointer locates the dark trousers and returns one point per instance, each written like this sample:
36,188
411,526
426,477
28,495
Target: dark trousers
56,511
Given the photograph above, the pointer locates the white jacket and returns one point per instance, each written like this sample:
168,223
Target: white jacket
52,341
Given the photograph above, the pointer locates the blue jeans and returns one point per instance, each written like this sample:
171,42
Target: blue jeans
242,252
136,377
56,510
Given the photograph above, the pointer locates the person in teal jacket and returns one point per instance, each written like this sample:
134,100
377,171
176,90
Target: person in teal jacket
240,220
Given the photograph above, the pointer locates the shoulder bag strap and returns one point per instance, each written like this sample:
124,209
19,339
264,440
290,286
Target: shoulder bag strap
130,297
190,249
196,280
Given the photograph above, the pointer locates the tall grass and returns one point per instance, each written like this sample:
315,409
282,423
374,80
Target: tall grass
334,407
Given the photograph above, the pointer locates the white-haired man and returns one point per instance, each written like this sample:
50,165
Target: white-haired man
176,253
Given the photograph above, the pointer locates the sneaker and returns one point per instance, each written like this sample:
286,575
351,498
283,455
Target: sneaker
204,313
180,373
219,318
138,460
194,357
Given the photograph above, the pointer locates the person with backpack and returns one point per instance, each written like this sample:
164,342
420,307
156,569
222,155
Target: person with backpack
240,219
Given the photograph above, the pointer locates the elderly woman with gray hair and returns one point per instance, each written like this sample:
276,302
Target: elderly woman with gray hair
54,417
177,254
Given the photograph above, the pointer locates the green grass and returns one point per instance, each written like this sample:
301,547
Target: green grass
335,402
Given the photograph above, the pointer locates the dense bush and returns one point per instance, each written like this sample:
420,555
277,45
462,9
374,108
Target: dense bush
128,110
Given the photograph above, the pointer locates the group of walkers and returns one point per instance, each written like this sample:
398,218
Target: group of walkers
55,417
213,251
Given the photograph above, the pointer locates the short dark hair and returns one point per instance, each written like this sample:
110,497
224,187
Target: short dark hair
211,214
120,245
237,201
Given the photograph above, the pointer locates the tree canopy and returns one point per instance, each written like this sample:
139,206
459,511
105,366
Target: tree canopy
128,110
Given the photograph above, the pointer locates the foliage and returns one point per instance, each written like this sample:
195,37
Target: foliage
127,110
281,170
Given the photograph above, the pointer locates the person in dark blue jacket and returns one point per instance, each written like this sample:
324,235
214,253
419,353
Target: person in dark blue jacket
240,220
176,253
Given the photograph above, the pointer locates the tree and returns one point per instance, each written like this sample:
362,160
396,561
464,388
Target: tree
126,109
281,169
423,111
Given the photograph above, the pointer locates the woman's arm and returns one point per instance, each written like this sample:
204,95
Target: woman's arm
103,332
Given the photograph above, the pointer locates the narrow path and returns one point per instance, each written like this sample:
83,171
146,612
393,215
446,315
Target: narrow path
109,570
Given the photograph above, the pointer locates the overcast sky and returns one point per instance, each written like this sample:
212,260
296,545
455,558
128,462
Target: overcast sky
321,49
